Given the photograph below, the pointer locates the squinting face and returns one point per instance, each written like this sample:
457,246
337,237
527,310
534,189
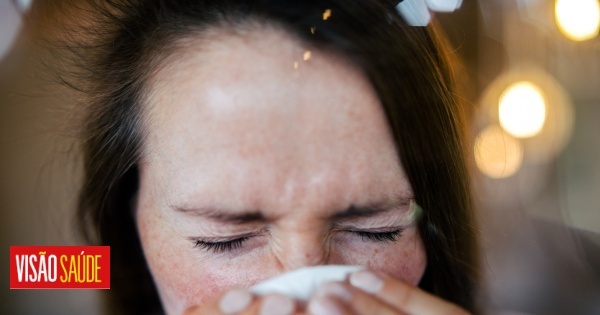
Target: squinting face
254,166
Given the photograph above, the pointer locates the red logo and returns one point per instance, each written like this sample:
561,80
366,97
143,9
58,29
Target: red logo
60,267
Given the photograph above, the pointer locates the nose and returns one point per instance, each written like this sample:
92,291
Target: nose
303,251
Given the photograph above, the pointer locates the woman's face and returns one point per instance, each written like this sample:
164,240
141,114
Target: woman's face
262,157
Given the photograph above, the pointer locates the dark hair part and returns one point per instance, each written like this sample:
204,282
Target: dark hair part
408,67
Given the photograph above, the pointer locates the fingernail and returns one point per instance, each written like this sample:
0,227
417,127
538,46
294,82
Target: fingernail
324,306
277,305
335,289
366,281
235,301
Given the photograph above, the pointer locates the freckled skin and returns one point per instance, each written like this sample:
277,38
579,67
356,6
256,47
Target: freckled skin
232,125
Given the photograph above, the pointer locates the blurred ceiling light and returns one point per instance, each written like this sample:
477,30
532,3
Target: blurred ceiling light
10,24
522,110
559,111
414,12
578,19
444,5
497,154
23,5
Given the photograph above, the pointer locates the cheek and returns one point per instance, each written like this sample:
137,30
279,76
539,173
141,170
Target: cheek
404,259
184,277
184,281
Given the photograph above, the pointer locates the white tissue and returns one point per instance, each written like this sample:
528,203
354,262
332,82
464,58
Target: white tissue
301,283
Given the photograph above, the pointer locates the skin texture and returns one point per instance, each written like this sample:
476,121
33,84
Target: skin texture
234,127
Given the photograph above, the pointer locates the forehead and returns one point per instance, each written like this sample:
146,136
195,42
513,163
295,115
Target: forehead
234,115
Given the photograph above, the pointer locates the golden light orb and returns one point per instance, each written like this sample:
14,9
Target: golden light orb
497,154
522,109
578,20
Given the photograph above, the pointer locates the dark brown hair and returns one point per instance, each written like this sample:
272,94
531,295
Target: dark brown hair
127,40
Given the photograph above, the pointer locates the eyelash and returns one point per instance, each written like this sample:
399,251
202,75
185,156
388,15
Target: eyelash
220,247
226,246
390,236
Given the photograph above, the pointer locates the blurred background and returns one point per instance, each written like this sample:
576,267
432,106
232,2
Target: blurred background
531,77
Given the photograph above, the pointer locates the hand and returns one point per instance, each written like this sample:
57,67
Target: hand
368,293
364,293
241,301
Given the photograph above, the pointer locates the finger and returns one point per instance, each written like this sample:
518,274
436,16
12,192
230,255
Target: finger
277,304
360,302
237,301
403,296
327,305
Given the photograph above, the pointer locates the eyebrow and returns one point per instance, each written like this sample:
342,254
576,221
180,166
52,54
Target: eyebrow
224,216
370,210
255,216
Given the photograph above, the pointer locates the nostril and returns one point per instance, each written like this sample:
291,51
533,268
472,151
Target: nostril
314,259
307,258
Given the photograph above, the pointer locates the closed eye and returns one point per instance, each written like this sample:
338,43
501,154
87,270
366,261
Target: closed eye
230,245
220,247
390,236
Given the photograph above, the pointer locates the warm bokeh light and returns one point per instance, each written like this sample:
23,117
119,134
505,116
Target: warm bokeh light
522,110
306,55
497,154
559,112
578,19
